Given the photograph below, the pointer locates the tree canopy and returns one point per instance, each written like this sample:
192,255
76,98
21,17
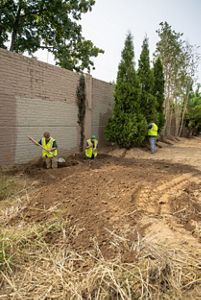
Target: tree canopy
158,91
193,114
179,60
147,99
31,25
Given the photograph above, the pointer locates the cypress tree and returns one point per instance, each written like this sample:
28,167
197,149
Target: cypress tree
158,91
127,126
147,99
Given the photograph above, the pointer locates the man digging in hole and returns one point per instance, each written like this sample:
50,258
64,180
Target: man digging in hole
49,150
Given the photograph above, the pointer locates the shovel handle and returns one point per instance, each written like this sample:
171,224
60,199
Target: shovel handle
36,143
33,141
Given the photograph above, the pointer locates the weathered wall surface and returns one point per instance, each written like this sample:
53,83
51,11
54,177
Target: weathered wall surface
37,97
101,107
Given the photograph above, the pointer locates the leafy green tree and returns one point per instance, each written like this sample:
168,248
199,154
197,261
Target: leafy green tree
127,126
158,90
147,99
51,25
169,48
179,60
191,60
193,116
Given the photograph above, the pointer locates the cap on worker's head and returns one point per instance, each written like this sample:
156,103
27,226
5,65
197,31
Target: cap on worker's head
93,137
46,134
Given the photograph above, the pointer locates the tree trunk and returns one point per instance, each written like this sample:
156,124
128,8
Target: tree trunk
177,119
178,115
184,110
15,29
170,120
167,104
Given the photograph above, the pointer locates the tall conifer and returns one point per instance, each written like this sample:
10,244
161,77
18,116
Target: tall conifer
147,99
158,90
127,126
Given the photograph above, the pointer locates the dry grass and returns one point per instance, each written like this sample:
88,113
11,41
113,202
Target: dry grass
37,262
7,186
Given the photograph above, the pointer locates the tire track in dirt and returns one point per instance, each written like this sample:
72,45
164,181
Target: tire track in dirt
156,200
157,205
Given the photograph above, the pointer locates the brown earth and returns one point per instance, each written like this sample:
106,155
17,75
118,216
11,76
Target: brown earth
86,230
122,192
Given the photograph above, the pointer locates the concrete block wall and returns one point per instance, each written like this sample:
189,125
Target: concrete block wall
37,97
102,94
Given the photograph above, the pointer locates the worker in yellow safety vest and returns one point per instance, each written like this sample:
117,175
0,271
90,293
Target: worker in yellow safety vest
49,150
91,148
152,134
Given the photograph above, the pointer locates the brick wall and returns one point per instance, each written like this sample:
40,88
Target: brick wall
37,97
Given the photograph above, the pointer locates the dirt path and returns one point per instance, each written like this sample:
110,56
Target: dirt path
185,152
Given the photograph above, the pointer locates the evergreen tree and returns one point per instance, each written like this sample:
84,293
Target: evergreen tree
127,126
158,90
193,114
147,99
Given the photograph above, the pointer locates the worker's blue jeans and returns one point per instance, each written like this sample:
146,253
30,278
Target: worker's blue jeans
152,141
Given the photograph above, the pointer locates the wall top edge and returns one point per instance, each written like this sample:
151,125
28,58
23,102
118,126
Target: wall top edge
44,64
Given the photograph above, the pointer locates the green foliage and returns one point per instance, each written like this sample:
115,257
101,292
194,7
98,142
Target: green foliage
147,100
81,102
144,71
169,48
127,86
158,90
127,127
179,60
193,116
51,25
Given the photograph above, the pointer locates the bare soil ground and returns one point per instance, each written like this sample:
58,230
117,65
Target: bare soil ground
123,198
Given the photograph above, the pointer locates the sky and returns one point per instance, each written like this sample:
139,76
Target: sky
110,20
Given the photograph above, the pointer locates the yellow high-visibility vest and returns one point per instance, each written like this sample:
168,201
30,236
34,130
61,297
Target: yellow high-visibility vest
153,131
92,150
48,146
